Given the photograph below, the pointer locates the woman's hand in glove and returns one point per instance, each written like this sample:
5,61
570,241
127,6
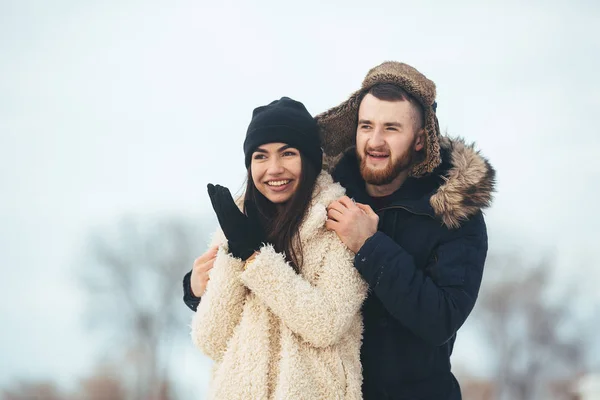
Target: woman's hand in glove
244,233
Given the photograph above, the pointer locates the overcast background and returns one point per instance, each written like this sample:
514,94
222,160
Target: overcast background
119,107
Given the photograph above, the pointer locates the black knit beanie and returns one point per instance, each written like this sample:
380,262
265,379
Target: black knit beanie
286,121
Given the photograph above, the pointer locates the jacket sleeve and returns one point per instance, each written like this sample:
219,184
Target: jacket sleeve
221,307
320,314
188,297
432,304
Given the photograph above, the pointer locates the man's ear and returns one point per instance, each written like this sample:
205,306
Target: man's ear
420,142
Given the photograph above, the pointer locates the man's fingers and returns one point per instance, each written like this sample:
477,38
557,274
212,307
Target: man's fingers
332,225
334,204
207,266
334,214
338,206
204,267
209,254
347,202
366,208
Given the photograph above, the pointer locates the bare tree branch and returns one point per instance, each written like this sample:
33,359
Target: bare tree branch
525,327
133,278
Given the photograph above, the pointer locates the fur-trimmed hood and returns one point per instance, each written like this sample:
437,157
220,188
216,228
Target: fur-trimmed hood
468,183
458,188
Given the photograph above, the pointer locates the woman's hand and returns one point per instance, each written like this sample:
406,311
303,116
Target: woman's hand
244,233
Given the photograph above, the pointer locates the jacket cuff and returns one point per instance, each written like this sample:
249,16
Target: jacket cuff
254,273
365,260
188,297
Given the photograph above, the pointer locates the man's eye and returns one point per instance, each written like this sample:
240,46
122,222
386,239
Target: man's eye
259,156
289,153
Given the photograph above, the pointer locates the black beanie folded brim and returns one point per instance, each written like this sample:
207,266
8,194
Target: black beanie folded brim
281,133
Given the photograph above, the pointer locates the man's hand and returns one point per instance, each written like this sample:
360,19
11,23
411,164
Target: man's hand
353,222
202,265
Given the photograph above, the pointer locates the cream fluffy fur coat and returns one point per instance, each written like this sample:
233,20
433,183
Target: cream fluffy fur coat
277,334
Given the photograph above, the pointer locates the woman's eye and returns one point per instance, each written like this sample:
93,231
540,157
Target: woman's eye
289,153
259,156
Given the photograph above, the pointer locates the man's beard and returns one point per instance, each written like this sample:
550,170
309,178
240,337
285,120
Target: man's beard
395,167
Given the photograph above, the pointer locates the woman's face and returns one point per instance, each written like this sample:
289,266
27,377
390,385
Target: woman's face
276,169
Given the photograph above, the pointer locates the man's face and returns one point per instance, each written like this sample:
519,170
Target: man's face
386,139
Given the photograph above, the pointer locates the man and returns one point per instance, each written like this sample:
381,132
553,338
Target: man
413,217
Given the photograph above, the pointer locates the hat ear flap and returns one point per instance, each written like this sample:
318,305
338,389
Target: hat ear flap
431,150
337,126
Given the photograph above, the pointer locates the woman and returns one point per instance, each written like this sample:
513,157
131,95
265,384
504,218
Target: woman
281,312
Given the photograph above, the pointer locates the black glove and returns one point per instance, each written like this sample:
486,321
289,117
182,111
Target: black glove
244,233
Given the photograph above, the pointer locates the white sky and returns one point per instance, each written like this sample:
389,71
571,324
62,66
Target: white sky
128,106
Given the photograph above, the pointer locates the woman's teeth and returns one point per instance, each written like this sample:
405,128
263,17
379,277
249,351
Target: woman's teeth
278,183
